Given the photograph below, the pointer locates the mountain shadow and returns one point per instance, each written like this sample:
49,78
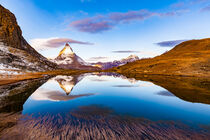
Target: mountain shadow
13,96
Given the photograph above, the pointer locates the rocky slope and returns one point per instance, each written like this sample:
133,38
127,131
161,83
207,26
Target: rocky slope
15,52
190,58
67,59
108,65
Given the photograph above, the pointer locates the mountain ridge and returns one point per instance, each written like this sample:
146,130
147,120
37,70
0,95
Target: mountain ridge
115,63
190,58
15,52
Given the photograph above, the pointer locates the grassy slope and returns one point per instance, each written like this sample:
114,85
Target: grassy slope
190,58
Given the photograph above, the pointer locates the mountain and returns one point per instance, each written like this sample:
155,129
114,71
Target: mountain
190,58
108,65
67,59
15,52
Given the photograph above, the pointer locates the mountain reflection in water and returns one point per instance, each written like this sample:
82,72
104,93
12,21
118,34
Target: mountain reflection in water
52,92
110,106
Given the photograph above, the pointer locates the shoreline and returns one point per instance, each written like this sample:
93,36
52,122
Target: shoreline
8,79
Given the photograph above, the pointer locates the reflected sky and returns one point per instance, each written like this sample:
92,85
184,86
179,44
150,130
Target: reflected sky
63,94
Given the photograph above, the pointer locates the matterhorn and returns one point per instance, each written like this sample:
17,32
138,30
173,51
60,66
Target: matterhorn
67,59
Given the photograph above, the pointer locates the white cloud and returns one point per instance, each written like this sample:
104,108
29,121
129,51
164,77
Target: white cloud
41,44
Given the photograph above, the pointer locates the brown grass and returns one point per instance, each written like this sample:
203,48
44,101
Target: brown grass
191,58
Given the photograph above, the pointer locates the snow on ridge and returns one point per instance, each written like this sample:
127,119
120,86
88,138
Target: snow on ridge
81,61
7,67
6,72
9,70
4,48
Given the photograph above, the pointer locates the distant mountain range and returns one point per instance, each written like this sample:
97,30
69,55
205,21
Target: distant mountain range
190,58
15,52
67,59
108,65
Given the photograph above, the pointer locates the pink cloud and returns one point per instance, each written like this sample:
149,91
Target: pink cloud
102,23
130,16
57,42
92,25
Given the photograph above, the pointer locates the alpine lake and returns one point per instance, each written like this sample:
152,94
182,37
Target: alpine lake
106,106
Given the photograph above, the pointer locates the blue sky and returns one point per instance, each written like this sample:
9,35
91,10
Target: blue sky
104,30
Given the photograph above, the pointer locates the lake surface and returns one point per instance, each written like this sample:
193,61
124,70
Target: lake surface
109,106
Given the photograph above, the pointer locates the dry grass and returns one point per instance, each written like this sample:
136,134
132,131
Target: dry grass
191,58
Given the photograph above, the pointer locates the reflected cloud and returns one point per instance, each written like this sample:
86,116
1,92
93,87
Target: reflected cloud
115,75
146,84
165,93
45,94
125,86
66,83
95,79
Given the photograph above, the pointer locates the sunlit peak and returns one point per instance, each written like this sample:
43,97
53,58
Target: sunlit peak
66,50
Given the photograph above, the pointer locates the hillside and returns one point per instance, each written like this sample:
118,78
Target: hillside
15,52
190,58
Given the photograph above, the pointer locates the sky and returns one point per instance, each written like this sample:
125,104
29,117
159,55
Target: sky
107,30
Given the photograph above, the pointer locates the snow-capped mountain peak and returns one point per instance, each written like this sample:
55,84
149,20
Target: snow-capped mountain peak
67,50
67,59
133,57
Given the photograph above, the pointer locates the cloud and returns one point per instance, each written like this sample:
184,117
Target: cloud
178,5
126,51
100,58
101,23
206,9
121,86
165,93
146,84
169,43
188,3
98,79
44,43
92,25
